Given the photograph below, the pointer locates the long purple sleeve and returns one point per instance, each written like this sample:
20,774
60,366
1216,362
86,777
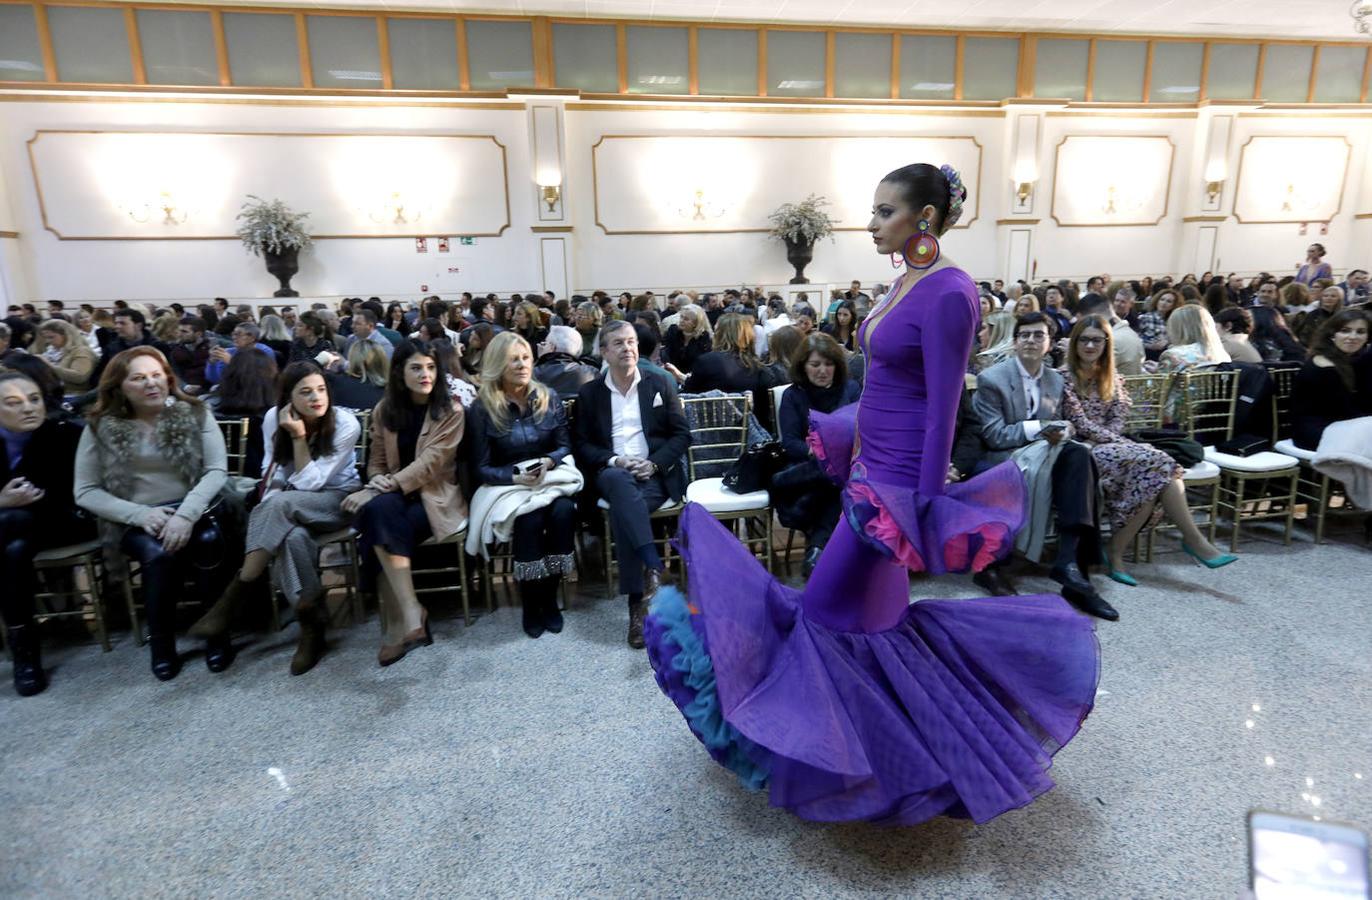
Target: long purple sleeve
947,328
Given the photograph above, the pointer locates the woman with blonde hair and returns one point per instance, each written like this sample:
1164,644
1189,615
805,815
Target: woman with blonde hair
68,354
362,385
1027,303
165,328
1000,339
1193,340
732,366
1139,482
520,454
689,338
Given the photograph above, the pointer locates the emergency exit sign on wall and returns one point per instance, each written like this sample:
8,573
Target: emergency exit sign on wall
467,241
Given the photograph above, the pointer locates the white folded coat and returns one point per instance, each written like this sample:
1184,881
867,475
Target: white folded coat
495,507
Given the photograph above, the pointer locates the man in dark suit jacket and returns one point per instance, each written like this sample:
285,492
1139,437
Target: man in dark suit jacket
630,435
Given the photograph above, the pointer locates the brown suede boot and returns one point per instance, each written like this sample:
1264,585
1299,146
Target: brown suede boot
313,618
219,619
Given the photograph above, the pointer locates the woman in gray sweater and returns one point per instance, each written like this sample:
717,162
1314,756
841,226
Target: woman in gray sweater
150,464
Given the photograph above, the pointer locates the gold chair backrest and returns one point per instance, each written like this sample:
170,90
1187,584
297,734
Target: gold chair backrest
1283,385
719,432
1147,400
1208,398
364,441
235,433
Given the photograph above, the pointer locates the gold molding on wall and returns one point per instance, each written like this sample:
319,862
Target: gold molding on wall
9,234
551,229
43,209
314,101
1017,221
1238,179
595,177
1221,218
1167,188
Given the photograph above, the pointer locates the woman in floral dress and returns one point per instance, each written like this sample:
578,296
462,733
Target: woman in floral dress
1140,483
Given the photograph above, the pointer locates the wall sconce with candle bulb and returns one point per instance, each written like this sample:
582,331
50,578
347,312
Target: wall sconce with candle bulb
1215,173
551,193
1023,177
166,204
395,210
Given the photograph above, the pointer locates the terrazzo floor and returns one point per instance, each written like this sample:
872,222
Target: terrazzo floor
490,765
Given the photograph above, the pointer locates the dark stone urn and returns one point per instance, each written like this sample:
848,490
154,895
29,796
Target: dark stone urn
799,254
283,267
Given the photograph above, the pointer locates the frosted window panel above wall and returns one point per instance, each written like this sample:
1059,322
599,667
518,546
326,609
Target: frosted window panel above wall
423,54
91,45
585,57
928,67
1233,71
1286,72
21,59
990,68
263,51
862,65
659,60
178,47
344,52
1060,68
1176,72
500,54
726,60
795,64
1340,74
1119,70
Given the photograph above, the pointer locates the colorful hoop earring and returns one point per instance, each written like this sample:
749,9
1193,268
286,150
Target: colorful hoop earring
921,250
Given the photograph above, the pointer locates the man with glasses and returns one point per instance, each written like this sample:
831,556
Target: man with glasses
1018,405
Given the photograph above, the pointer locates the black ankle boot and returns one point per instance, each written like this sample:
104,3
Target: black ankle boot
530,597
29,677
552,616
166,665
218,654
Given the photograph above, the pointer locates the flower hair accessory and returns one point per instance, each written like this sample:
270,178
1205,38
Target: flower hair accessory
957,193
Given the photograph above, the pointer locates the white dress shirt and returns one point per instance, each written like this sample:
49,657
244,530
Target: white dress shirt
626,419
1032,385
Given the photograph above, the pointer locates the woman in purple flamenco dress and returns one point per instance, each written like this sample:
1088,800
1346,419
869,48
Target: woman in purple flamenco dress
844,700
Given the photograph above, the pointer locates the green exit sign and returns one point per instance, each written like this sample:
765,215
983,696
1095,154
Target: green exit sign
467,241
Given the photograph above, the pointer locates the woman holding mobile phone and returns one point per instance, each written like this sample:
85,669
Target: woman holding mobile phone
519,438
307,471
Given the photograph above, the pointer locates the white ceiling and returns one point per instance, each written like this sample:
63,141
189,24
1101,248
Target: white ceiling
1326,19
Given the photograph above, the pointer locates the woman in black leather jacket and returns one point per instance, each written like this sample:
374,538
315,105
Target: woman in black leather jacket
518,435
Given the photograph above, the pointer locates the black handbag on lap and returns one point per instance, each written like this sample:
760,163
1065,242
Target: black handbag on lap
753,470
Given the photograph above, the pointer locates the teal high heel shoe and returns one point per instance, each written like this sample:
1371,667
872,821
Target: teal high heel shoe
1216,562
1123,578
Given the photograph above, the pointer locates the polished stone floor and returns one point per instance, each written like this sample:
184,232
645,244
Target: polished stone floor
492,765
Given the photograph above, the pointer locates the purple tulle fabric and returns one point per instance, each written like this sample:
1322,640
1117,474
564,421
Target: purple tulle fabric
844,699
956,710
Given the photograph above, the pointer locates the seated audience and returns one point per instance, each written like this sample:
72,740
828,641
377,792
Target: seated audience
1235,324
1272,338
1335,384
190,354
1153,321
519,441
362,385
688,339
308,470
631,434
164,328
462,390
365,329
311,339
475,340
40,373
71,358
412,493
526,322
1355,287
277,337
842,325
1306,325
803,496
1019,406
560,365
1055,307
804,318
1138,481
1192,341
732,366
396,319
246,337
998,343
129,332
247,392
36,513
784,347
85,323
150,464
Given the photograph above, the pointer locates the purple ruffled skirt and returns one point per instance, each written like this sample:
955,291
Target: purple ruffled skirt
955,710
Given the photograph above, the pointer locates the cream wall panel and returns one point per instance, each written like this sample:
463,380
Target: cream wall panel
1112,180
165,185
1286,178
